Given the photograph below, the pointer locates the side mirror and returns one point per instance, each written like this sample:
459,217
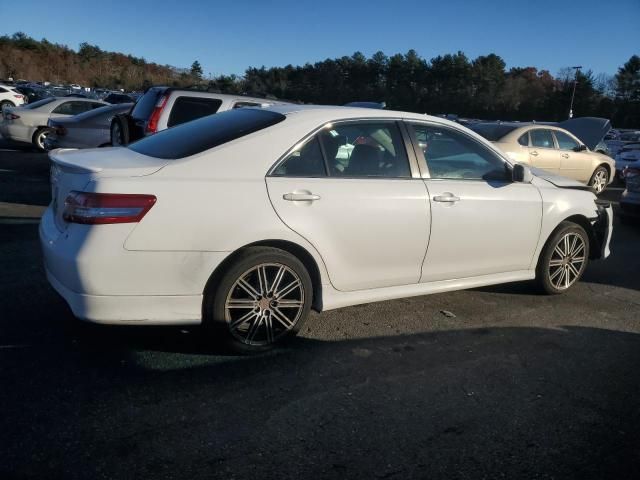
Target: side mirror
521,173
580,148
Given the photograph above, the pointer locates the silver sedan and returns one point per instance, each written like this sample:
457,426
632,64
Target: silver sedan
28,123
87,130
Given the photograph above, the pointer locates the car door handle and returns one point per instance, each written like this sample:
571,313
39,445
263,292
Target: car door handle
534,153
565,155
301,197
446,197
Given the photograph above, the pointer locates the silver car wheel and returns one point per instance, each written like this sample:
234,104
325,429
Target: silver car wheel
599,181
567,261
40,139
264,304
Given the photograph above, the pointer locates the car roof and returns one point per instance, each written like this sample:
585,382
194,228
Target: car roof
329,112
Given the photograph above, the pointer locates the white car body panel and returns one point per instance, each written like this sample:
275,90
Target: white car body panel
371,240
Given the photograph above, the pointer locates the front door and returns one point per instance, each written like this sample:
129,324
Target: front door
481,222
350,191
573,164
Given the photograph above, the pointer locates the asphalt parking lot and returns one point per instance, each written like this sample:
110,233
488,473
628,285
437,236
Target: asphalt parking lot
495,382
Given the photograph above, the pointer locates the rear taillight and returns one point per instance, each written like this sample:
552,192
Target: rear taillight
103,208
18,96
152,125
61,131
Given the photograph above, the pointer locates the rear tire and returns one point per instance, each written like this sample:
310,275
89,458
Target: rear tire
39,136
119,131
260,300
599,180
563,259
7,104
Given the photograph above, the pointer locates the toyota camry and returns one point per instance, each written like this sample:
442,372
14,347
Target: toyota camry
245,220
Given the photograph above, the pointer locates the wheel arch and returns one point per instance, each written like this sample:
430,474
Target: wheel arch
586,224
294,249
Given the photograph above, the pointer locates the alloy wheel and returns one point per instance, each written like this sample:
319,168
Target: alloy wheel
264,304
40,139
567,261
599,181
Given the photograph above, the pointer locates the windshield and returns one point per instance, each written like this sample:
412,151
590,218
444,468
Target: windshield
39,103
492,131
204,133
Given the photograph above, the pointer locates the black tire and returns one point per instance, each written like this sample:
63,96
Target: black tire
258,316
549,277
599,179
38,138
119,131
6,103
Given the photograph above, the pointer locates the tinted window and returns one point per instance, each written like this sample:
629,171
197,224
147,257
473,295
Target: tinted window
3,90
303,162
541,138
186,109
72,108
205,133
492,131
39,103
524,139
147,102
365,149
565,142
453,155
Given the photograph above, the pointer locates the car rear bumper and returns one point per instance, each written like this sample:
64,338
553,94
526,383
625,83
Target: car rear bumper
17,133
105,283
131,309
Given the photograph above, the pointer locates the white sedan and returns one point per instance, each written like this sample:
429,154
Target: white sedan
247,219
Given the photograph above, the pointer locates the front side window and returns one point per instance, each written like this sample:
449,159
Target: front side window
541,138
565,142
454,155
365,149
186,109
306,161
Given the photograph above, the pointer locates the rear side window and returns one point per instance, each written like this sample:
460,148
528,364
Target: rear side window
524,139
3,90
186,109
146,103
542,138
205,133
306,161
73,108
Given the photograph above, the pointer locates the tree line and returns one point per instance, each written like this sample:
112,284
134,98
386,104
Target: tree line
453,83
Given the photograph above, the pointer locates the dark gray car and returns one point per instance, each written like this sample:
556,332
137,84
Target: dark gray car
87,130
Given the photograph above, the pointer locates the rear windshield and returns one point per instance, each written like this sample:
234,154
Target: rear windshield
146,103
492,131
205,133
39,103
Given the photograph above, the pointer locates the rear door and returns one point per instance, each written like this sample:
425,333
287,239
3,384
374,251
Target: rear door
354,192
542,150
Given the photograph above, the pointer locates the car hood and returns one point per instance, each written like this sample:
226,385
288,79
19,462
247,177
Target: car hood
558,181
590,130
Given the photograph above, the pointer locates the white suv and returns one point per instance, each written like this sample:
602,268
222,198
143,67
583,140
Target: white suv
10,97
163,107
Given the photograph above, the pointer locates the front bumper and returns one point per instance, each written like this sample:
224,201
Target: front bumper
603,228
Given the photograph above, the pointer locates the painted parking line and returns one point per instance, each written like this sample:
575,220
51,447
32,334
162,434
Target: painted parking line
8,150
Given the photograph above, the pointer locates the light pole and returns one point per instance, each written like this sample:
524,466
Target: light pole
573,94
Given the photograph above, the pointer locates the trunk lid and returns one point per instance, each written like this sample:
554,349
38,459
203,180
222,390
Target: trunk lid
75,169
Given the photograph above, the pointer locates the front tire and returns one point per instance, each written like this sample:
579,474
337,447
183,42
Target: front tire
262,299
563,259
119,132
599,179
